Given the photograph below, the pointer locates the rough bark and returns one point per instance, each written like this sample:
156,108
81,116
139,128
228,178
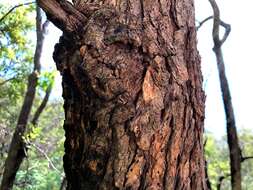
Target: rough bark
134,106
232,137
17,149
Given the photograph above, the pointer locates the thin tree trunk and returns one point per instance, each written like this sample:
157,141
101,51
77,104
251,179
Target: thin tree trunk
220,182
17,147
232,138
63,184
208,182
42,105
134,105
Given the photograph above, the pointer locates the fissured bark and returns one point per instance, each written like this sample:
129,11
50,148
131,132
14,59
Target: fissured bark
134,104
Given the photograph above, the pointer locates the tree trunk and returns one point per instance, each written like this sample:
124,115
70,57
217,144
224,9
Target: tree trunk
134,105
42,105
232,138
17,149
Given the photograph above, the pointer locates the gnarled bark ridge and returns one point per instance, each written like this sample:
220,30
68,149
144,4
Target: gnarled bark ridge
134,105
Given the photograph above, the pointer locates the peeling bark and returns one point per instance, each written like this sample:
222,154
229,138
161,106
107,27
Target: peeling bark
134,106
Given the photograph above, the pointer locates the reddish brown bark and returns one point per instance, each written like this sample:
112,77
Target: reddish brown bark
134,105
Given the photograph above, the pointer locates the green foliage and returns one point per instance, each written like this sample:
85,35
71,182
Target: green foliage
16,57
46,79
217,159
217,156
17,42
16,49
32,133
246,137
36,173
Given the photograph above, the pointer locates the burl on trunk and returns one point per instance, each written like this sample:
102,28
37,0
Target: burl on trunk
134,104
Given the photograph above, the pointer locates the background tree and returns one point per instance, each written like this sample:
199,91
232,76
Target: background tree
134,105
18,146
17,149
217,154
42,168
16,57
232,138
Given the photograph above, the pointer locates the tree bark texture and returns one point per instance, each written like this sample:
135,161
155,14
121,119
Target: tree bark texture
134,106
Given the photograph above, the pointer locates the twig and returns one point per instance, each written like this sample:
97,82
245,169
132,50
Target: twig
46,156
208,182
63,15
44,26
10,79
203,22
42,105
205,141
222,23
27,172
227,31
246,158
13,8
220,179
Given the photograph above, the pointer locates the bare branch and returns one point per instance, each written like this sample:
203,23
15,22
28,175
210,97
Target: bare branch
203,22
208,182
45,25
13,8
220,179
46,156
246,158
222,23
10,79
205,141
62,14
216,22
227,31
42,105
